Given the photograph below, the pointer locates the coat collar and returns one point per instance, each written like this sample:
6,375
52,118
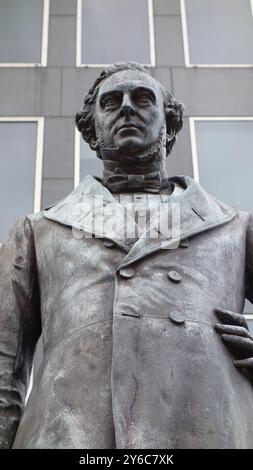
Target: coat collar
91,208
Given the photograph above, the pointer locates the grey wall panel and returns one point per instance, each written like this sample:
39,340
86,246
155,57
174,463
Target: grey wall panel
168,40
30,91
75,84
214,92
59,148
163,75
63,7
179,162
166,7
62,40
54,190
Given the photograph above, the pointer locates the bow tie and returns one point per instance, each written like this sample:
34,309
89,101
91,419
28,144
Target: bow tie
121,181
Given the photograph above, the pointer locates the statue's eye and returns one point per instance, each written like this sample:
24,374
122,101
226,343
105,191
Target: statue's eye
143,99
111,102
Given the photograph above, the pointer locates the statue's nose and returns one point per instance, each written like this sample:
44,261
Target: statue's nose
127,105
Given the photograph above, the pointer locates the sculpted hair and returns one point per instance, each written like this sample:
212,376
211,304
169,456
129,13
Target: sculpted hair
84,120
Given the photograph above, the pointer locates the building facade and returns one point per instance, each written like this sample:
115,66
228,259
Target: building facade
51,51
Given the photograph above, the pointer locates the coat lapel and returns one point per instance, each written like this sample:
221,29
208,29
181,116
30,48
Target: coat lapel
186,215
92,209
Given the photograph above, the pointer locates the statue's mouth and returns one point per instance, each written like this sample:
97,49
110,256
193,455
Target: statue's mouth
128,126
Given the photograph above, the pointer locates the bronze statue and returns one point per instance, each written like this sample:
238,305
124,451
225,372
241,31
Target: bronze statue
134,354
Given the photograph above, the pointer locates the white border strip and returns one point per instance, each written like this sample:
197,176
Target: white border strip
44,43
79,38
39,155
152,33
79,34
77,158
192,121
185,34
39,164
251,7
195,167
186,44
45,28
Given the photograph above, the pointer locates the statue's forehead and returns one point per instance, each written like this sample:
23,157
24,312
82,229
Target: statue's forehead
128,79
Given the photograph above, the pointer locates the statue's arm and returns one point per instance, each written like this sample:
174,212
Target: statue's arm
234,330
20,324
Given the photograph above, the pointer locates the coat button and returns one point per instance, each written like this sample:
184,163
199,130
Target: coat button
126,272
184,243
177,317
174,276
108,243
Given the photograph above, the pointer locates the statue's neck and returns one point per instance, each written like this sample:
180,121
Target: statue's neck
138,165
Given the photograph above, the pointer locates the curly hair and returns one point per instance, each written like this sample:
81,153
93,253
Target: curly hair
84,119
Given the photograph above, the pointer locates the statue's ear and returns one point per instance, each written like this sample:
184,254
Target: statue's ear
94,143
170,134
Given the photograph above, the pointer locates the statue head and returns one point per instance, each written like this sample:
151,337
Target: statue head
128,109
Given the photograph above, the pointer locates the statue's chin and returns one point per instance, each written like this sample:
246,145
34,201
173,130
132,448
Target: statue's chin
131,152
134,153
133,157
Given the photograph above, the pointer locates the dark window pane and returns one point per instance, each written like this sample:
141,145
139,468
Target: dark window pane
115,30
250,324
17,171
219,31
248,308
90,164
21,30
224,150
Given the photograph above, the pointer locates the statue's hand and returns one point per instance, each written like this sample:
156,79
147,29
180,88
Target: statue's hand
235,335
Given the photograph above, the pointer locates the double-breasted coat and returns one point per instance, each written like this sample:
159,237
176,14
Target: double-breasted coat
131,356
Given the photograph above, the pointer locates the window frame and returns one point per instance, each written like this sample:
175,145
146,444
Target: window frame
186,48
44,42
37,181
38,154
193,137
79,38
194,153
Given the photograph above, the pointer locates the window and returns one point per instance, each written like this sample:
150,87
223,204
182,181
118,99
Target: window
249,319
115,30
86,160
222,152
20,178
222,160
20,169
23,32
217,32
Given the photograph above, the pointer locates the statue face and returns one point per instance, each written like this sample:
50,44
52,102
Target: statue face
129,111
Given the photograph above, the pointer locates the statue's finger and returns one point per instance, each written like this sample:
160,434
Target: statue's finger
232,330
248,363
231,318
243,346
